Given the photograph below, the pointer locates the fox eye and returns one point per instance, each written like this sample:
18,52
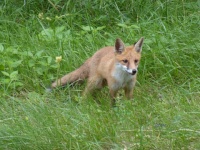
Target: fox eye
136,61
125,60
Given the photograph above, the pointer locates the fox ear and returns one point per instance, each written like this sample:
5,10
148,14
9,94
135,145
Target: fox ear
119,46
138,45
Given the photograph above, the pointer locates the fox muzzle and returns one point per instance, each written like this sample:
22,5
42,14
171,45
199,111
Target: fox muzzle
134,71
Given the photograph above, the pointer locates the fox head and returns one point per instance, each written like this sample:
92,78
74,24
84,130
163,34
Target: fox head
128,58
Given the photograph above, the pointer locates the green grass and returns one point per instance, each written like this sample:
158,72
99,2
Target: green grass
165,111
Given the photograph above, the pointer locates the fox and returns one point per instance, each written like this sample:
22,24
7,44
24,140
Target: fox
113,66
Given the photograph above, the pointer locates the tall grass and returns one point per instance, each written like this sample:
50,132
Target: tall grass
164,113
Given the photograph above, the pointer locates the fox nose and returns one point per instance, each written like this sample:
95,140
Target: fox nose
134,71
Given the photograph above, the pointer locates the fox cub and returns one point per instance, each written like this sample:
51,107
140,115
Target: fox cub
114,66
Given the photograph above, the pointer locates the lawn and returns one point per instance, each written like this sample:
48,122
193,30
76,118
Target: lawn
165,111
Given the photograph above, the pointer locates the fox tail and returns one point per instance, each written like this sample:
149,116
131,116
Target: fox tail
75,76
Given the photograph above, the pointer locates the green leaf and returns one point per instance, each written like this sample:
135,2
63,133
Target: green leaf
12,50
46,34
66,33
13,75
49,60
122,25
28,53
31,63
100,28
39,53
1,47
87,28
16,63
5,81
59,29
54,66
5,73
39,71
43,63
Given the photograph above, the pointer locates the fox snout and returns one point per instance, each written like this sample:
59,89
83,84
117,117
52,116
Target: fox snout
130,71
134,71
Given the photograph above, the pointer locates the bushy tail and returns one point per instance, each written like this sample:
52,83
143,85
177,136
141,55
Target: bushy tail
77,75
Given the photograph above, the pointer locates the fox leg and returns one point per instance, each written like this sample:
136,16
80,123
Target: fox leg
89,88
93,83
128,89
113,89
128,92
113,94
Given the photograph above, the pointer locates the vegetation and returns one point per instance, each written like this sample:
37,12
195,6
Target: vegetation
165,111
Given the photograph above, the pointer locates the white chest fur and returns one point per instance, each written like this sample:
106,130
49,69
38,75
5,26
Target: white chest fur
122,77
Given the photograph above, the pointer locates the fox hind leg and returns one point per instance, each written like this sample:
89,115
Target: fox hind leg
93,83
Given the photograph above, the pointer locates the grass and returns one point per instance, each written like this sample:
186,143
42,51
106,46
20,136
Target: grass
165,111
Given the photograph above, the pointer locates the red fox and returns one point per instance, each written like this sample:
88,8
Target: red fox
113,66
